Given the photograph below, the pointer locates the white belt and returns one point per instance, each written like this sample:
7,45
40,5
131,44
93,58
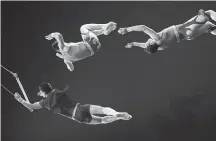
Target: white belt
74,111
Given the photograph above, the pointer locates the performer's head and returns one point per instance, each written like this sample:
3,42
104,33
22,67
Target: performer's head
55,46
152,46
44,88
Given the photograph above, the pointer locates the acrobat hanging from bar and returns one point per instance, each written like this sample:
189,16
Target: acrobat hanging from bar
72,52
204,22
58,102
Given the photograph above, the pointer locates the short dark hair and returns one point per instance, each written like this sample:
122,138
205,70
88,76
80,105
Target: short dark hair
154,48
55,46
45,87
151,49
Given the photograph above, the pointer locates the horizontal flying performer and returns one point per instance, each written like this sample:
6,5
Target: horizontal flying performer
57,101
204,22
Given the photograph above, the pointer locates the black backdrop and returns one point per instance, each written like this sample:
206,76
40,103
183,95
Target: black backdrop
171,95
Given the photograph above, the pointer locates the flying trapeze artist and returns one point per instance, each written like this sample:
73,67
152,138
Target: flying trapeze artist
57,101
72,52
204,22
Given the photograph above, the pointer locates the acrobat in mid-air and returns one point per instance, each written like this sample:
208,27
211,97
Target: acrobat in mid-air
204,22
72,52
58,102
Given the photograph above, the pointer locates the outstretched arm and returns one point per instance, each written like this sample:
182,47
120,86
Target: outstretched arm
58,37
69,65
28,105
141,28
151,49
142,45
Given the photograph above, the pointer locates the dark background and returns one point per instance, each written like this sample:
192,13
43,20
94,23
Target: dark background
171,94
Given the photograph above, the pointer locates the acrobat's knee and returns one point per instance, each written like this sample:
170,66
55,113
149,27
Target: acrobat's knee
84,30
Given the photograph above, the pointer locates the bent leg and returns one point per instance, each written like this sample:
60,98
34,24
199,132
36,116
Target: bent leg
98,29
199,19
191,26
94,28
196,22
150,46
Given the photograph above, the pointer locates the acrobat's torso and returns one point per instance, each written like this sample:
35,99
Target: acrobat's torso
183,32
75,52
168,37
59,103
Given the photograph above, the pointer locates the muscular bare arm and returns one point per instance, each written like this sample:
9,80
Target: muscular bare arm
28,105
141,28
33,106
146,46
142,45
58,37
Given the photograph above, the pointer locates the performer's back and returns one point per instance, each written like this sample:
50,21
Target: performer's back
59,103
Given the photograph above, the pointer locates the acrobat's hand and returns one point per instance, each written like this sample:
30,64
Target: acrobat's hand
129,45
122,31
59,55
18,97
49,37
15,75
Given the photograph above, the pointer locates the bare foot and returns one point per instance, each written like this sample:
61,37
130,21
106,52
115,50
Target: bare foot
111,26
